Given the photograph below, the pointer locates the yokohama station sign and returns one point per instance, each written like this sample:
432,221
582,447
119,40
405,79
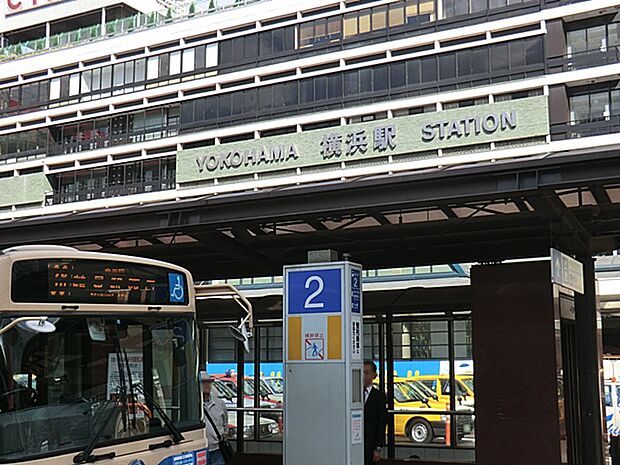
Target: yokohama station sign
18,6
372,142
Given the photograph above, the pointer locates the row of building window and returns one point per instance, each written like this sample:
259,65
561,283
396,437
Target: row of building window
467,67
460,69
114,181
162,69
151,124
120,78
594,104
593,37
382,18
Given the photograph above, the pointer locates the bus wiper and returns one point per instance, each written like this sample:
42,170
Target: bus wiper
87,456
177,437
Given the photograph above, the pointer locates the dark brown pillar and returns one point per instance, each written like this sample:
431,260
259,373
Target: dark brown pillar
516,352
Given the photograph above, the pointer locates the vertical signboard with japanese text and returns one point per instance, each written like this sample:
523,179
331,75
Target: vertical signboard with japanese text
323,364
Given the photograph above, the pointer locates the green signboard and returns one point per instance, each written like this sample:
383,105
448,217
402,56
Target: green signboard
480,124
24,189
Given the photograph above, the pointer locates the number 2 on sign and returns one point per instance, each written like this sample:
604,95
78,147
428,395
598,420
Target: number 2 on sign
320,286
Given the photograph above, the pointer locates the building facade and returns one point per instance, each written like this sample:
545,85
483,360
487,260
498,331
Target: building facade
276,94
260,129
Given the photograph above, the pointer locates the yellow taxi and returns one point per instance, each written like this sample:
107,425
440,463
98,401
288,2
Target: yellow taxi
440,385
420,428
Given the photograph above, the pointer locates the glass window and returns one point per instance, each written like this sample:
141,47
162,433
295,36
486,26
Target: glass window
413,71
70,381
129,71
447,66
364,21
576,42
250,46
379,18
429,69
517,54
461,7
74,84
533,51
320,31
211,55
96,82
350,25
427,10
152,68
265,46
306,34
499,58
380,77
579,108
596,38
334,28
164,64
54,89
396,14
175,63
278,40
140,70
365,80
479,60
448,7
320,88
411,12
87,77
188,60
613,35
119,74
334,86
351,86
478,5
397,75
106,77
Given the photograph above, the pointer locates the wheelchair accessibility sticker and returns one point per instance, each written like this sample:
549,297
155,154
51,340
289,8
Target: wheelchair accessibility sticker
176,286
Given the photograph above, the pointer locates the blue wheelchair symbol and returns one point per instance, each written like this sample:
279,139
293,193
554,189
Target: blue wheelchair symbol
176,286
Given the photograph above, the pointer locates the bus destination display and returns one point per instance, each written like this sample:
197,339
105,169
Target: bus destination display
96,282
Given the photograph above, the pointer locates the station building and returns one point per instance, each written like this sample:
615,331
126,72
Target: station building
234,137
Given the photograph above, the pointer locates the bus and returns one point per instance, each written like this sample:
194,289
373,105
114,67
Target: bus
98,360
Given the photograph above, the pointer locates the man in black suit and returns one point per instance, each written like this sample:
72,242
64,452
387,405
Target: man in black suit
375,416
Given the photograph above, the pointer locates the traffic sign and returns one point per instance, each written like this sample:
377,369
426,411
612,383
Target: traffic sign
566,271
314,291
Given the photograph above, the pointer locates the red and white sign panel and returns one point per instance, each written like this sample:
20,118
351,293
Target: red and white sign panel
18,6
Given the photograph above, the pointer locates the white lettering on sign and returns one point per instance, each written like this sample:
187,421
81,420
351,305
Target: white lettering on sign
18,6
566,271
356,343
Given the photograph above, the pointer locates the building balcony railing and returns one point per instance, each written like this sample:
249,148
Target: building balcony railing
582,60
75,193
585,128
84,141
135,23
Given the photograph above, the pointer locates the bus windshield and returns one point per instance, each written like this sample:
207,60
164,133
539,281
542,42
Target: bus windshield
95,374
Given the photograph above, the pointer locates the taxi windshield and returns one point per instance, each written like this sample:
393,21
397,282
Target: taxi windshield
404,392
58,389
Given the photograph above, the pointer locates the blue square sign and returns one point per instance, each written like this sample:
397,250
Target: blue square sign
314,291
176,288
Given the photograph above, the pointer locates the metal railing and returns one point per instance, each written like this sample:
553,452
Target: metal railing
135,23
582,60
585,128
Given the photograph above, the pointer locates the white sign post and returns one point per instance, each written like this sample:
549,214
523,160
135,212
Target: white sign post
324,409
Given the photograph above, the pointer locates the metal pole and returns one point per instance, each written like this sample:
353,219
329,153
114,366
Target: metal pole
390,385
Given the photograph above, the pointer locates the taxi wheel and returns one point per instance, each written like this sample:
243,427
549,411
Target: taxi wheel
420,431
